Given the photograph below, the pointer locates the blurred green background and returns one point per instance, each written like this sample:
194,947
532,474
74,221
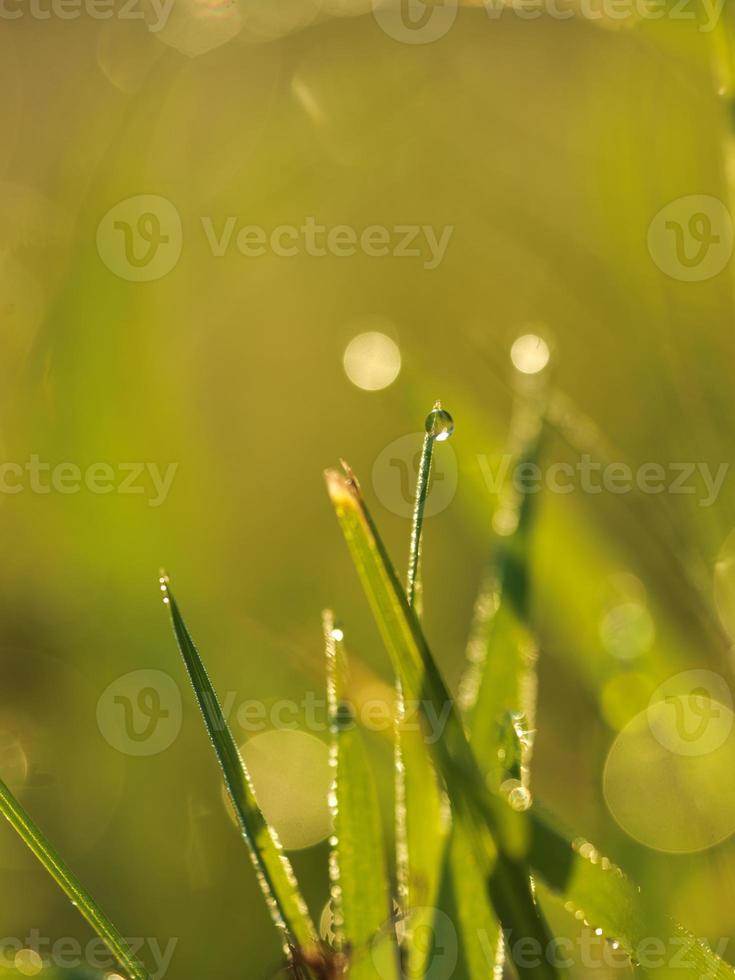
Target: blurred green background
549,146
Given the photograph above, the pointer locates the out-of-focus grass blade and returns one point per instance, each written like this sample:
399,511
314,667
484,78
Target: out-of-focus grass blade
501,681
69,884
496,833
273,869
361,900
592,887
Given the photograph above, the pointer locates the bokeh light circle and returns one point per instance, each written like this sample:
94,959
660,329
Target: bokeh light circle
670,802
372,360
530,353
291,777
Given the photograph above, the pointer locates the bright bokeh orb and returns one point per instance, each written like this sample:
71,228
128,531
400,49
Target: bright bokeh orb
530,353
291,777
662,797
372,360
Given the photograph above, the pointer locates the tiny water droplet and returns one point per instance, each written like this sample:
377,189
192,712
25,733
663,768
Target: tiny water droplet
520,798
337,634
439,424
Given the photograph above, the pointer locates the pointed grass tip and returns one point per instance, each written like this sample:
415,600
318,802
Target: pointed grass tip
343,488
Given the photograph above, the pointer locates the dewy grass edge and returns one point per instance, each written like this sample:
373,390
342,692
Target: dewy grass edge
69,884
497,834
575,872
273,869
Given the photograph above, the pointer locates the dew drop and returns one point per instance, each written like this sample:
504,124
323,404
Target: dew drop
520,798
439,424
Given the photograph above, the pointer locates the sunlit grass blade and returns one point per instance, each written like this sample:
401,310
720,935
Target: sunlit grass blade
361,899
592,887
495,831
69,884
422,817
273,869
422,825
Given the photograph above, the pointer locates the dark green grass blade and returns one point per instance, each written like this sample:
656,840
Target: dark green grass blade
69,884
280,888
494,830
361,900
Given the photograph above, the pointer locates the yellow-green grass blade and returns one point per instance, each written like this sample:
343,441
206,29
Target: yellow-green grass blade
586,883
496,693
464,899
273,869
422,810
495,831
361,897
593,888
422,827
501,679
69,884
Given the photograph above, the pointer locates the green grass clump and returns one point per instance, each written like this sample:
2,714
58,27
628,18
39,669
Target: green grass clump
472,844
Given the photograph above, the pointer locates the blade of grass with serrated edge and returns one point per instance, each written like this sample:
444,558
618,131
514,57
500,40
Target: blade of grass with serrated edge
273,869
69,884
361,899
495,831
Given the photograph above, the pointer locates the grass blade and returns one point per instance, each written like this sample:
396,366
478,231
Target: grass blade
69,884
495,832
498,691
273,869
590,885
361,900
422,817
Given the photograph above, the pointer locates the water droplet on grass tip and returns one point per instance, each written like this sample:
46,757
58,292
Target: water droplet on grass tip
439,424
